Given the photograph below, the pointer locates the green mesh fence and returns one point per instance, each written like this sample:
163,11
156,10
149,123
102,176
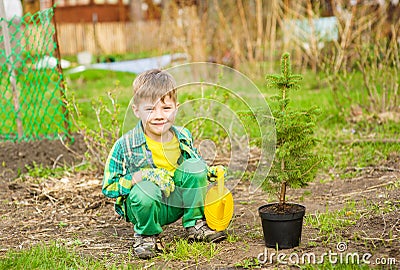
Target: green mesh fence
31,92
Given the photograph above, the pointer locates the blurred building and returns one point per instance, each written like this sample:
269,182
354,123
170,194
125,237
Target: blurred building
77,11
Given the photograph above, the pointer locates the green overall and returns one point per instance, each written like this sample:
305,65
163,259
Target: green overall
149,210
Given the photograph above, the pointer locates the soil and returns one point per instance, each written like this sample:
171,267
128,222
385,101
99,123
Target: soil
72,211
287,209
16,158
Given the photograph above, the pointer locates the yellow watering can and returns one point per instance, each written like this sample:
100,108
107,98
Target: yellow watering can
218,207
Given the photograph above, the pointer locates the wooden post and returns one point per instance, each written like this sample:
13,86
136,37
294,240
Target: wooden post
13,75
121,11
135,11
60,73
95,19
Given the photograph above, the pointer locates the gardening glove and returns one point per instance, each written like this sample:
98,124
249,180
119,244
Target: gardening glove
161,177
212,172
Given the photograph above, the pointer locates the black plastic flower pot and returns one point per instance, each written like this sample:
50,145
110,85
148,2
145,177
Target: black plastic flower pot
282,226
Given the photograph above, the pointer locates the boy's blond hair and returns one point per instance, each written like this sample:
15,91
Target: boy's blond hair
154,84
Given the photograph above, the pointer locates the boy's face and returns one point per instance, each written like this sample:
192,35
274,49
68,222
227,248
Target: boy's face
157,117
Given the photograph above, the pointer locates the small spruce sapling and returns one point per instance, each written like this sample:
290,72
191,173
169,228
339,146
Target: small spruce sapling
296,162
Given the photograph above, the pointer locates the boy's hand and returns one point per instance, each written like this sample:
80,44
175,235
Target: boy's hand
161,177
212,172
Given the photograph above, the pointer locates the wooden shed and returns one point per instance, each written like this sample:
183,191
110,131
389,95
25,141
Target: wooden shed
76,11
70,11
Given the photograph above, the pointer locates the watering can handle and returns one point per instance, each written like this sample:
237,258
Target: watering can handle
220,181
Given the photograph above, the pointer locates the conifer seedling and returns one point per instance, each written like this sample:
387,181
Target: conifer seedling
296,162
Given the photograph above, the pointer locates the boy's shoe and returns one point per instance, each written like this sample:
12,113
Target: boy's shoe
145,247
201,232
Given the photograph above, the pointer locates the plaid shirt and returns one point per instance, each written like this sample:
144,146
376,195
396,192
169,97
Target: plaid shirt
129,154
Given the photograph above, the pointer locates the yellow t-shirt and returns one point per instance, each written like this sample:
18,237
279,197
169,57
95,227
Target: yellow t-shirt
165,155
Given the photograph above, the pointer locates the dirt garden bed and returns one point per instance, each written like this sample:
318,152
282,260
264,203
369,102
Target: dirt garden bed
16,157
72,211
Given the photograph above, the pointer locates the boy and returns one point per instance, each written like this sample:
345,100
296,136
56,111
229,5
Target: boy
154,172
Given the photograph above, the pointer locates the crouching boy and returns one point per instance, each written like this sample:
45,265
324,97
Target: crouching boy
154,172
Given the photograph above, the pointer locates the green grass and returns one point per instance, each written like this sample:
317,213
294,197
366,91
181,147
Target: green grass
182,250
232,237
51,256
330,223
55,256
248,263
39,171
358,156
89,86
